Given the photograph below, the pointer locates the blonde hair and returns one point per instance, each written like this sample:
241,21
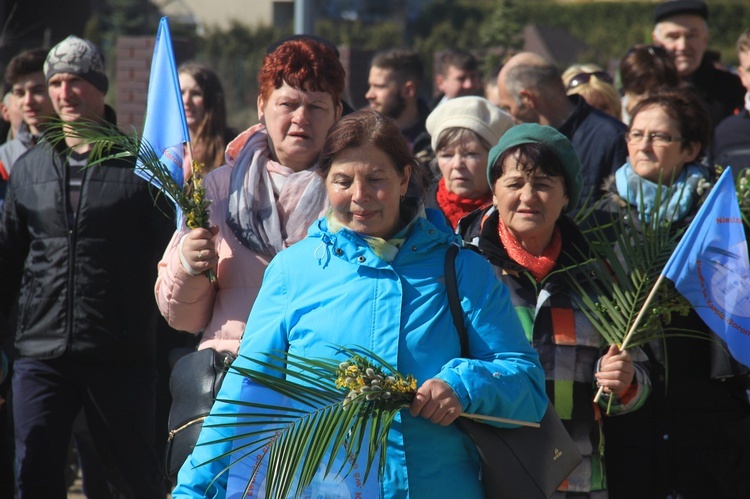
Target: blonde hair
577,69
594,87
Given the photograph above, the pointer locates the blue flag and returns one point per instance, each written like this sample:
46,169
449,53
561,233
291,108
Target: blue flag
710,268
165,127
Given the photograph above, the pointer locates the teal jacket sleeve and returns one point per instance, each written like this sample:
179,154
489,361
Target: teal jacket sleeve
204,474
503,378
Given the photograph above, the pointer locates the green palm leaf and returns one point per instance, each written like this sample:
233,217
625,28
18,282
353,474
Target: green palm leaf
338,417
622,270
742,186
108,142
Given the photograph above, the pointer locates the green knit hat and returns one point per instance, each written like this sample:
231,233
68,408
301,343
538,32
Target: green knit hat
533,133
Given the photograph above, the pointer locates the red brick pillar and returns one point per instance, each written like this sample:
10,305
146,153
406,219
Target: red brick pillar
132,68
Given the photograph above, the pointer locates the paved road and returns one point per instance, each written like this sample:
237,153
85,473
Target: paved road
75,491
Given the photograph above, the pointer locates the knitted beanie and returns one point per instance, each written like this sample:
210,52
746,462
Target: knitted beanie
474,113
79,57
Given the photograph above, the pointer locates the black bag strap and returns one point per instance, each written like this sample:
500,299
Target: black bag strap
454,302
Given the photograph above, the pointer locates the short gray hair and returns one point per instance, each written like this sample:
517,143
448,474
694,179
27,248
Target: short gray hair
536,77
660,25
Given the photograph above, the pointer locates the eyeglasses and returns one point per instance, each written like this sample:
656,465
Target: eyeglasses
582,78
656,138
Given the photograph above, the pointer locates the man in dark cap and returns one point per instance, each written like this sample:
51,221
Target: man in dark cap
78,252
681,27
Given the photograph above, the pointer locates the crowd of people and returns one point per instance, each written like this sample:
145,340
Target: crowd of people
330,226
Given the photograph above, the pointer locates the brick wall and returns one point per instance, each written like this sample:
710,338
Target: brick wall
132,67
133,64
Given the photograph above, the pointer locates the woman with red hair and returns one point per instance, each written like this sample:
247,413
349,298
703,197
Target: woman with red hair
262,201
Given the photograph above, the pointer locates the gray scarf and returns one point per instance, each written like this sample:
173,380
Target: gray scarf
262,221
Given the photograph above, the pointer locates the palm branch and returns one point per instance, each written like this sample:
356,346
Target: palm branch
619,292
622,293
743,195
344,409
624,271
108,142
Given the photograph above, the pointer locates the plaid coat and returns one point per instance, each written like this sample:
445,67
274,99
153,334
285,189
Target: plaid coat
569,346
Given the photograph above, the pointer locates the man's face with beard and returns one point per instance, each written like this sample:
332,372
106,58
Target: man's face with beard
385,93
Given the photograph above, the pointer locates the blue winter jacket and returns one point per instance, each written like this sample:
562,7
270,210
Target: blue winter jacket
331,288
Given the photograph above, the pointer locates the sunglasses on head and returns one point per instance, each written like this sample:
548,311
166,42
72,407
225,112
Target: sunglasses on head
583,78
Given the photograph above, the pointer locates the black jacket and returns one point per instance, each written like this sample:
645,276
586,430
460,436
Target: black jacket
720,91
692,437
599,141
731,146
85,289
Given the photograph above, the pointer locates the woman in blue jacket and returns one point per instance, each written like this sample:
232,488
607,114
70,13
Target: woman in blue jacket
370,273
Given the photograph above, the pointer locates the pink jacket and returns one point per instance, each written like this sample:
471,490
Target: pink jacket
190,303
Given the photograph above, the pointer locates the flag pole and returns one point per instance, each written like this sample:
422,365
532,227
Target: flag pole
189,145
636,323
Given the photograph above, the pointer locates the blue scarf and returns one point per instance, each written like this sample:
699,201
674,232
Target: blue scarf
675,201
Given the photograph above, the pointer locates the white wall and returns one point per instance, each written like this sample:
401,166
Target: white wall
210,13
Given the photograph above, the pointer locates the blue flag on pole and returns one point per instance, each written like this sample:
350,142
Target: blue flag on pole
165,127
710,268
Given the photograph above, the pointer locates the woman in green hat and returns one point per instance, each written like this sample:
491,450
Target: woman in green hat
535,176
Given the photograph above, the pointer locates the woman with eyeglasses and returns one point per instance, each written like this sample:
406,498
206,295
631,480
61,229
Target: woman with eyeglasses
595,85
645,69
692,437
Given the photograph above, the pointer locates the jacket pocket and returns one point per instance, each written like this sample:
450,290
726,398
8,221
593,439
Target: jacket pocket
29,290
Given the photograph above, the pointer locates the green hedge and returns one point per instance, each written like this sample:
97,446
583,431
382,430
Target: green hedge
610,28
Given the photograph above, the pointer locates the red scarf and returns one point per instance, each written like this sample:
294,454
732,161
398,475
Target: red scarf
539,266
456,207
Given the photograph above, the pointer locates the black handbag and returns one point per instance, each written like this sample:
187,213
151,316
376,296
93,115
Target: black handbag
517,463
194,384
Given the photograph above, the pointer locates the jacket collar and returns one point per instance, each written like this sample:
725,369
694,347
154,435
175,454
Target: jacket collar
426,234
579,114
482,224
